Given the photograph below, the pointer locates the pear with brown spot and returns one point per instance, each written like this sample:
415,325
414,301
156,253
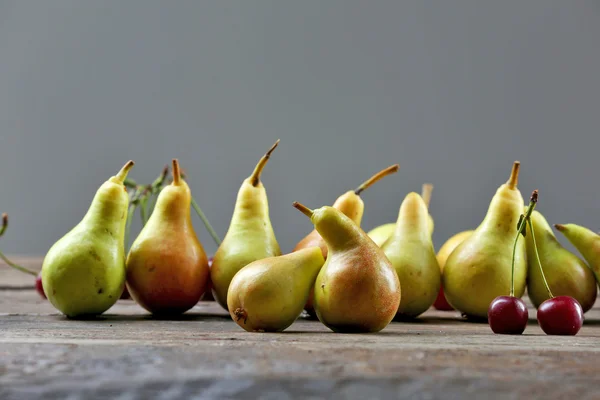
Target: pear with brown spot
479,268
83,273
250,236
268,295
352,205
357,289
410,250
167,268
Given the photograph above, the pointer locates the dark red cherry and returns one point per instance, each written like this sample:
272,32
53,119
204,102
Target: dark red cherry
441,303
38,285
508,315
208,296
561,315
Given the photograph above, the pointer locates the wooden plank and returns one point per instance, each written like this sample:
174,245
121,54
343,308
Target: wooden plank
130,354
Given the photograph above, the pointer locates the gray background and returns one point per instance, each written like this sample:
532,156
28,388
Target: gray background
453,91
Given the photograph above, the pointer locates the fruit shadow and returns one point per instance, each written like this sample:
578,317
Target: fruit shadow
191,316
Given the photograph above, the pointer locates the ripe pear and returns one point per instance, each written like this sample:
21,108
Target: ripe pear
383,232
479,269
448,247
586,242
268,295
83,273
357,289
351,204
566,274
250,236
167,268
410,250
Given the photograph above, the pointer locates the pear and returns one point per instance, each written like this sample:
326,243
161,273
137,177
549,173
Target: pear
479,269
447,248
586,242
357,289
351,204
566,274
383,232
269,294
250,236
410,250
83,273
167,268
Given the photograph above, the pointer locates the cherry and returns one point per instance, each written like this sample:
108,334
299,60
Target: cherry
508,315
208,296
560,315
38,285
441,303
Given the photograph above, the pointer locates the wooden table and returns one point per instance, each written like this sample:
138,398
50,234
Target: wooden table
127,354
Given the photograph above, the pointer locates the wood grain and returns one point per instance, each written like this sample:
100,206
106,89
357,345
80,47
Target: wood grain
130,354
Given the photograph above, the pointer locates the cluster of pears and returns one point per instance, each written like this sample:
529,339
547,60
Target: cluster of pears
85,272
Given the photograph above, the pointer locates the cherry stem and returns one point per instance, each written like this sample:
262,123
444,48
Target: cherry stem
255,177
514,175
384,172
130,213
303,209
4,258
538,259
426,190
522,225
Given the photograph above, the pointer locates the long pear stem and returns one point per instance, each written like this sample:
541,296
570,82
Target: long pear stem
124,171
255,177
537,256
176,172
384,172
303,209
514,175
3,257
520,229
207,224
426,190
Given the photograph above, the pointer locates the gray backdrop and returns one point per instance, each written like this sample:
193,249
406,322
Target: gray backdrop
453,91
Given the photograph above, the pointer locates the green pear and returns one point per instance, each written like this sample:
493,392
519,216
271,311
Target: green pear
411,252
268,295
83,273
479,268
250,236
566,274
586,242
383,232
357,289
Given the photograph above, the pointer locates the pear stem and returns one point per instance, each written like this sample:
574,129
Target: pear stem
207,224
176,172
426,190
303,209
3,257
560,227
537,256
514,175
520,230
384,172
255,177
124,171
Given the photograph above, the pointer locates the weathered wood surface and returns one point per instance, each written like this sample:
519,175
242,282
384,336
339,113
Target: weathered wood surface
127,354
